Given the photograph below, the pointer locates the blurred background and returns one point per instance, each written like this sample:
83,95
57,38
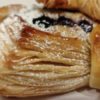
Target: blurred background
6,2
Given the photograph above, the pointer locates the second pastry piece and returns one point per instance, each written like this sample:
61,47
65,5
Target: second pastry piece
89,7
95,61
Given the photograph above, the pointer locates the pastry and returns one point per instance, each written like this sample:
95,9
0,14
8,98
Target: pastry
36,63
95,55
89,7
44,52
7,10
92,9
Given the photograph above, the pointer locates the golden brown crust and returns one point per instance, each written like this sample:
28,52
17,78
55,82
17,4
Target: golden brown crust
28,34
6,10
42,64
51,3
89,7
95,55
39,63
59,3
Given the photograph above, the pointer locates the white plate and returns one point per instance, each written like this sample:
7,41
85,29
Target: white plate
83,95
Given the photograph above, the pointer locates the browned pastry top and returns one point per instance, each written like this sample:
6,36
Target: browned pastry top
50,45
46,41
89,7
59,3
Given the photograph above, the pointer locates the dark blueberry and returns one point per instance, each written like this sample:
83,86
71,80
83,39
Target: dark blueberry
65,21
46,25
86,25
43,20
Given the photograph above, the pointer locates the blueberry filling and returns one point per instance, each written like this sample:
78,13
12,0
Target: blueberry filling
43,20
47,22
85,25
65,21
